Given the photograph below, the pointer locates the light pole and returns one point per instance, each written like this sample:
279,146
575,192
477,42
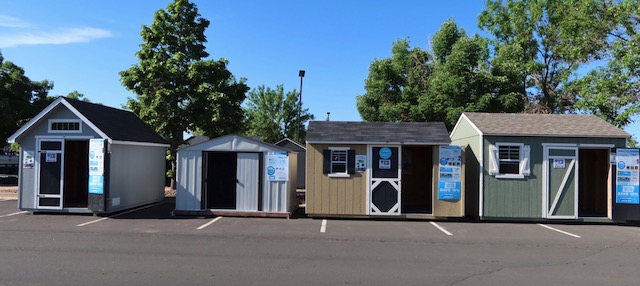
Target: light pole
301,75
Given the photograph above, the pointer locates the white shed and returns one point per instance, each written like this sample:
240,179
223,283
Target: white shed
236,176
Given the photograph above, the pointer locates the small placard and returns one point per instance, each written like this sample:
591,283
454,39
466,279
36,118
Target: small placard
361,163
51,158
28,160
384,164
558,164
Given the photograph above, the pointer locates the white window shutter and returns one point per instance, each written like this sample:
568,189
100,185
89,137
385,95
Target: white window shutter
493,160
524,163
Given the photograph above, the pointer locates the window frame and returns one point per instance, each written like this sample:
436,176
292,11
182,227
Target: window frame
328,162
54,121
523,160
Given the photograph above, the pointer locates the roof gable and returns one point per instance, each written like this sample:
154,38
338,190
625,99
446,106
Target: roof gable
110,123
431,133
234,143
290,145
544,125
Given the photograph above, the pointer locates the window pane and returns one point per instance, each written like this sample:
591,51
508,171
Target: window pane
510,167
339,168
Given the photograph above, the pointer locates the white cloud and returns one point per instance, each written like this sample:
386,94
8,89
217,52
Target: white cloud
65,36
11,22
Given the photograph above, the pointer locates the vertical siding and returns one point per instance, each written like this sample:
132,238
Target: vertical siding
522,198
137,175
467,137
334,196
189,180
247,185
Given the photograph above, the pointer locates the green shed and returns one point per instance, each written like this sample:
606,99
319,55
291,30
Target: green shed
538,166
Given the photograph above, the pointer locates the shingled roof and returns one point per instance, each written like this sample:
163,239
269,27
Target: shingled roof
545,125
114,124
349,132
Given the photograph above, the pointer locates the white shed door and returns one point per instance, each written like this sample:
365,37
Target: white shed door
247,181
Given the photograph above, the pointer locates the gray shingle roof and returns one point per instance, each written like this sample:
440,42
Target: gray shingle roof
434,133
546,125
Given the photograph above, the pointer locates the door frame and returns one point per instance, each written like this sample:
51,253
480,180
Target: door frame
545,174
37,194
397,209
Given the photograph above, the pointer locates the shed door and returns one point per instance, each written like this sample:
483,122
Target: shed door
50,162
247,182
561,182
385,191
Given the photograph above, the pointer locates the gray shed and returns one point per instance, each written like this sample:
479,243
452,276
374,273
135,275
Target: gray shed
302,156
82,157
237,176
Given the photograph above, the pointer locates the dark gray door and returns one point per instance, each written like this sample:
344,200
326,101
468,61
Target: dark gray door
50,162
385,187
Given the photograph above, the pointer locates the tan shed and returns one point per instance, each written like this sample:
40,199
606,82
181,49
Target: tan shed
373,169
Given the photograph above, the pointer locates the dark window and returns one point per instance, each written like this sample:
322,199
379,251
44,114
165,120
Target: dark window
509,159
65,126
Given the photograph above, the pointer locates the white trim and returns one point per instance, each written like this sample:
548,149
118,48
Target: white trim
547,211
395,182
294,142
560,145
509,176
338,175
72,137
554,205
133,143
37,194
481,182
379,143
339,148
46,111
56,120
520,175
473,125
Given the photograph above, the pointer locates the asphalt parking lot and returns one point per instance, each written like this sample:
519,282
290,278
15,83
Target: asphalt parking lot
150,245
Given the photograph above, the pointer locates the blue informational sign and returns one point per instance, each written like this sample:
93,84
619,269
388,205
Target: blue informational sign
385,153
277,166
96,166
449,172
627,183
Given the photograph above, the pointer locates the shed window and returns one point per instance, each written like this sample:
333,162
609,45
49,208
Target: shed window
338,161
509,160
68,126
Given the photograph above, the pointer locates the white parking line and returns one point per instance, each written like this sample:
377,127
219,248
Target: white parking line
209,223
560,231
323,227
16,213
122,213
441,228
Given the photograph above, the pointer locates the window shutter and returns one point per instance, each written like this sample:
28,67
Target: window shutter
524,163
351,161
493,160
326,161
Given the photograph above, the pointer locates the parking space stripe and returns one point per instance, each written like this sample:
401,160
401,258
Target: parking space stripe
323,227
209,223
122,213
560,231
441,228
16,213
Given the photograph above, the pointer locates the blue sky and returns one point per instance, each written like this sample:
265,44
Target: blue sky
82,45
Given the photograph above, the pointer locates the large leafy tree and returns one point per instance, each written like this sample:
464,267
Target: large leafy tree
178,89
612,91
547,42
272,115
20,97
463,80
394,84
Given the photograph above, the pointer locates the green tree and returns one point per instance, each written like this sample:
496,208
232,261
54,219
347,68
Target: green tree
179,90
395,84
611,91
77,96
272,115
548,41
463,80
21,98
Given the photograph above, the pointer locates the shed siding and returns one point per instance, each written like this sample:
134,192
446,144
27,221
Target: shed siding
522,198
137,175
28,142
334,196
467,137
189,181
